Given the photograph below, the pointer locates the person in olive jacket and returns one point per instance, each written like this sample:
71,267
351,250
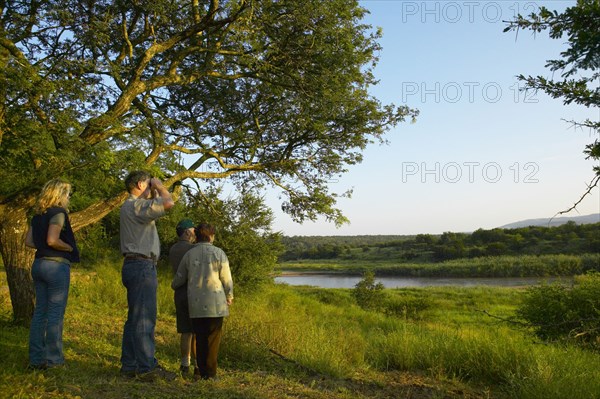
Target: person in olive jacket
205,270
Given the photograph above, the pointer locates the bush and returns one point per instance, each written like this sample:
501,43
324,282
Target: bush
368,294
559,313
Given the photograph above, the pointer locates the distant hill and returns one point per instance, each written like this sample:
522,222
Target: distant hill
586,219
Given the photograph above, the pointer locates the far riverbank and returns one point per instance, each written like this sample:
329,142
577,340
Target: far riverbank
340,280
542,266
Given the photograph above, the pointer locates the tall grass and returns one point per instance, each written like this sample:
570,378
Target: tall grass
321,337
299,331
333,336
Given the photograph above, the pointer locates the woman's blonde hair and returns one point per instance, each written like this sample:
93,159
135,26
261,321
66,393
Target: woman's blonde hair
56,192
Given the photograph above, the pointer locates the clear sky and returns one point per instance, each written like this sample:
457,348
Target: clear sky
482,153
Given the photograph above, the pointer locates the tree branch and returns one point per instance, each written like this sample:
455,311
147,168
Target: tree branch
590,187
96,211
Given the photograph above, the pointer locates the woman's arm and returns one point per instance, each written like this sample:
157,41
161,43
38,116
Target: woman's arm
54,241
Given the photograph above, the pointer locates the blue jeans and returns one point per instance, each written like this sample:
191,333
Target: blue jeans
51,280
137,349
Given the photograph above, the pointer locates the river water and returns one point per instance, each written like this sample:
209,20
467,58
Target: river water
346,281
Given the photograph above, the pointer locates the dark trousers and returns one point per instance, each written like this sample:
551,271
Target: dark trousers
208,332
138,345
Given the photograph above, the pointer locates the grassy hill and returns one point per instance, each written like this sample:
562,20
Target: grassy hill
300,342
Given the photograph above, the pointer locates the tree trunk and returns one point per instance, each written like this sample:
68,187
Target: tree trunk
17,261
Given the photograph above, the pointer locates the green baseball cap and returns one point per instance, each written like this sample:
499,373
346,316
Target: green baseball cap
183,225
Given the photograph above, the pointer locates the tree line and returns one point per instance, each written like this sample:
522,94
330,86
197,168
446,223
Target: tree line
569,238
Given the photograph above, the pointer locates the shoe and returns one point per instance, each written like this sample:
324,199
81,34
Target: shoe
127,374
33,367
184,370
198,376
157,373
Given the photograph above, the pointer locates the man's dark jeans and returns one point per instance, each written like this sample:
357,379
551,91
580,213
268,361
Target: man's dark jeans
138,347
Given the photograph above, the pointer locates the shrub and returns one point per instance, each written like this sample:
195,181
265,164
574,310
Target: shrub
368,294
560,313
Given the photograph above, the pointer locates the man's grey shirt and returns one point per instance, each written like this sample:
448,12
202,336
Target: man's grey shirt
138,230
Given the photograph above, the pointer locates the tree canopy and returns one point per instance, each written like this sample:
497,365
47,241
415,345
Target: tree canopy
264,93
271,92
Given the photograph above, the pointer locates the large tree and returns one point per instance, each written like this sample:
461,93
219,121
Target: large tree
266,93
578,70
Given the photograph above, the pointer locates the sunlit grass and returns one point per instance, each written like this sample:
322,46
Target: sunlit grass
316,343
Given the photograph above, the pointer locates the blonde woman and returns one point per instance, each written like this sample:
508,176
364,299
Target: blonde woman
51,235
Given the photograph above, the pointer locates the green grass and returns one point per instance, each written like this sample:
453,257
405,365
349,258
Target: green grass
290,342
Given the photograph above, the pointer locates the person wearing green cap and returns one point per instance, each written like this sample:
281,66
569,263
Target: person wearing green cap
186,238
